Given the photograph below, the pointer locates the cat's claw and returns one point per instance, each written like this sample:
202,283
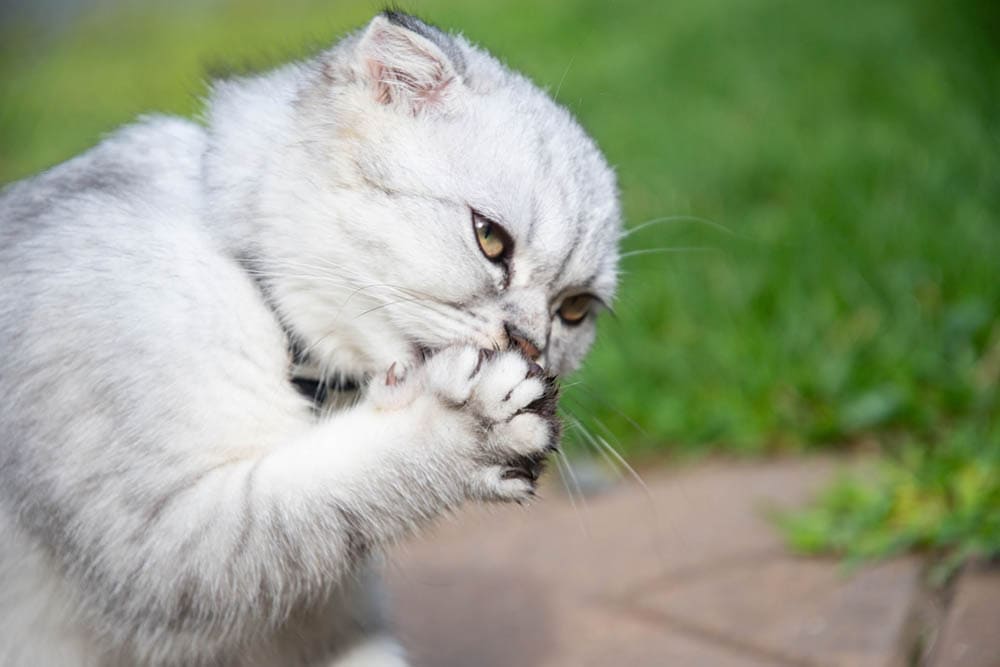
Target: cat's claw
513,406
391,379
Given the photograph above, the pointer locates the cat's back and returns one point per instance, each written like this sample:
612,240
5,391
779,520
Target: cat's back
110,275
101,240
152,165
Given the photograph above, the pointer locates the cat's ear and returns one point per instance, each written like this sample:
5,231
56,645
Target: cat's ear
408,63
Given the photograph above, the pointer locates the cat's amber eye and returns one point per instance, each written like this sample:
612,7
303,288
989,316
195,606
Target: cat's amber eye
575,308
493,239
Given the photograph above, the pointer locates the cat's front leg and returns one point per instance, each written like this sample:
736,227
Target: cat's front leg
221,555
486,421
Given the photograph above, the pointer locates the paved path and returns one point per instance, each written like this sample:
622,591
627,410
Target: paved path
971,633
690,575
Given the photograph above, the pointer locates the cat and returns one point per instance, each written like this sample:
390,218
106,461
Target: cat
400,220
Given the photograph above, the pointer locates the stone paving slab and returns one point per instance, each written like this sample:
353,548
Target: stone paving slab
689,519
500,622
798,611
971,634
685,573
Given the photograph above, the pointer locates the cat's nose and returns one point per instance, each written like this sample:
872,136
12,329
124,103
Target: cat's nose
517,337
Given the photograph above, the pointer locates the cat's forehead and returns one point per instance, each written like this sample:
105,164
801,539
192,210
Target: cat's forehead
544,178
517,157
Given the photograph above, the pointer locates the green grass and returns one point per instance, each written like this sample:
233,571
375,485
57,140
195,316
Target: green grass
943,499
840,162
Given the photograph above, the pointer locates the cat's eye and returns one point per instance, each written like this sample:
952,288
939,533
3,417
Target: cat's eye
493,239
575,308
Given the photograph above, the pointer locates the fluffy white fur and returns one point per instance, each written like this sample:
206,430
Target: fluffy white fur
166,496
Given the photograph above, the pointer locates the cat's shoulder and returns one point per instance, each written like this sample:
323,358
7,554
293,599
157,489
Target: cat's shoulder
155,161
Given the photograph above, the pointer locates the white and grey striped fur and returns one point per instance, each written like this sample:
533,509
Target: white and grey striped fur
167,497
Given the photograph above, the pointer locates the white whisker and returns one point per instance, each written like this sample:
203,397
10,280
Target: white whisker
566,473
678,218
669,250
563,78
595,396
589,439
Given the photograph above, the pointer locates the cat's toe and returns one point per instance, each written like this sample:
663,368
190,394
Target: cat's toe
452,373
509,385
519,450
527,434
527,468
504,483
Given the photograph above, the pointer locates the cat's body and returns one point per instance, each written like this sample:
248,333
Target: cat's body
167,496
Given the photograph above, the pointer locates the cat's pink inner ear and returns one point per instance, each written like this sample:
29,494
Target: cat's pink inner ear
404,68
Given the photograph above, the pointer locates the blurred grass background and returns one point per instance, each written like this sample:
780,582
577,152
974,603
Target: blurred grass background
826,177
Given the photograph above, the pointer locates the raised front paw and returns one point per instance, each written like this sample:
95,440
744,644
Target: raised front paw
511,406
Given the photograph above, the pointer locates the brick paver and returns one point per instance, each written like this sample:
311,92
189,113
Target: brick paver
689,573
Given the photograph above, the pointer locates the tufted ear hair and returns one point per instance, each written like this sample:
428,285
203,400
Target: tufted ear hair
408,63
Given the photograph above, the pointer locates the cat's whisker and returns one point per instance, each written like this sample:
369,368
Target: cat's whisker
442,329
305,352
324,269
618,463
448,321
331,273
418,301
582,385
572,486
323,338
631,422
413,301
588,439
307,278
570,385
563,78
443,310
364,288
609,462
678,218
602,445
667,250
326,266
609,436
429,301
447,324
627,466
331,280
320,276
315,262
577,424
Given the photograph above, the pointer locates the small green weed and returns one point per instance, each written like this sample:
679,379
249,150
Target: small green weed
942,499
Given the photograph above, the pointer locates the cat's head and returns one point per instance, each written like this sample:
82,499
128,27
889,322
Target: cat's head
425,196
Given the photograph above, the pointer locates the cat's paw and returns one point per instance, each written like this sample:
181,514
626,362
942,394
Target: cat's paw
513,425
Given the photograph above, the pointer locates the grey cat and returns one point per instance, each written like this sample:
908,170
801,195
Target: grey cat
400,215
